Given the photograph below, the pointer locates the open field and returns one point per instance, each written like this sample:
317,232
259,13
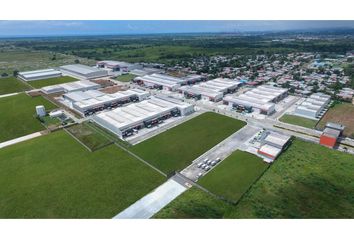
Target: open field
89,136
53,176
235,175
299,121
51,81
23,59
194,203
12,85
342,113
17,115
178,147
126,77
306,181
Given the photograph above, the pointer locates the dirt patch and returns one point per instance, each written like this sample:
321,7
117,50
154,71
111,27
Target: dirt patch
113,89
342,113
104,83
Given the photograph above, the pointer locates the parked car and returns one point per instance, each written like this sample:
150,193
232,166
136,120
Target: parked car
205,160
199,165
204,165
209,162
217,160
207,168
213,163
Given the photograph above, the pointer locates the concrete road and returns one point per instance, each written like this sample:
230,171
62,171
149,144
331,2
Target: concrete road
237,140
20,139
153,202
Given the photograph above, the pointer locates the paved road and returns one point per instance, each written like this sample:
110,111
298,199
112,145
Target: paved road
8,95
222,150
20,139
153,202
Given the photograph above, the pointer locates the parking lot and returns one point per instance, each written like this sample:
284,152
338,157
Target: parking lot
218,153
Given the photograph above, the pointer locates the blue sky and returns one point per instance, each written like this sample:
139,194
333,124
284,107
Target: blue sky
57,28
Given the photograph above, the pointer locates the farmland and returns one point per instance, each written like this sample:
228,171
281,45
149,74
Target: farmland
297,120
342,113
235,175
51,81
12,85
176,148
53,176
18,115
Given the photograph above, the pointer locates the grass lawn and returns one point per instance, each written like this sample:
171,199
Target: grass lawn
300,121
194,203
235,175
51,81
342,113
12,85
126,77
178,147
53,176
306,181
17,115
89,136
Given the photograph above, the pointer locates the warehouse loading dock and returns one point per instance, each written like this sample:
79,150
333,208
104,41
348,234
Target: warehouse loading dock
126,121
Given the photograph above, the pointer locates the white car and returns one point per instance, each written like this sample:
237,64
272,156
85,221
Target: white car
213,163
199,175
209,162
207,168
205,160
204,165
199,165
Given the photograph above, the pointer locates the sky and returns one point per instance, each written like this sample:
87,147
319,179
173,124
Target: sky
75,27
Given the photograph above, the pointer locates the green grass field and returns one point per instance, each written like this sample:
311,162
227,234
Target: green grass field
12,85
53,176
17,115
235,175
178,147
126,77
51,81
306,181
89,136
194,203
299,121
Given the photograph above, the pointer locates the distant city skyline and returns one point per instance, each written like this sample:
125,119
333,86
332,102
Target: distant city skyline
120,27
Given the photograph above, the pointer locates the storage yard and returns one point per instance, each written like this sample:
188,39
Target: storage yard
262,98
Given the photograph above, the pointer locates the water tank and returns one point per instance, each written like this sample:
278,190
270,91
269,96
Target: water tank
40,110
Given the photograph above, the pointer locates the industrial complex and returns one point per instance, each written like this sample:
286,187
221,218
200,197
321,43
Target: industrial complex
82,71
125,121
261,98
313,107
39,74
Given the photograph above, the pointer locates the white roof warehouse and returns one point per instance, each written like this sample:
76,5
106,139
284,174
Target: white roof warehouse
39,74
122,121
70,87
83,71
313,105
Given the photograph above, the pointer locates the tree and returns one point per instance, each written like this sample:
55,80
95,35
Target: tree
15,73
4,75
77,61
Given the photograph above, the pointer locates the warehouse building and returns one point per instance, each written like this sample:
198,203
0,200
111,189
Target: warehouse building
272,145
159,81
92,101
39,74
330,134
212,90
314,106
261,98
127,120
118,66
83,71
83,85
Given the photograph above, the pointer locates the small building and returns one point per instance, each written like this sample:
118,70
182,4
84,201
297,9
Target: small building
83,72
39,74
276,140
269,152
330,134
40,111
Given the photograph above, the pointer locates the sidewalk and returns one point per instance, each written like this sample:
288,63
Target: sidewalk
20,139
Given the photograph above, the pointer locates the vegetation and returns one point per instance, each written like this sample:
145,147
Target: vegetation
89,136
126,77
51,81
178,147
17,116
297,120
306,181
342,113
194,203
12,85
53,176
235,175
